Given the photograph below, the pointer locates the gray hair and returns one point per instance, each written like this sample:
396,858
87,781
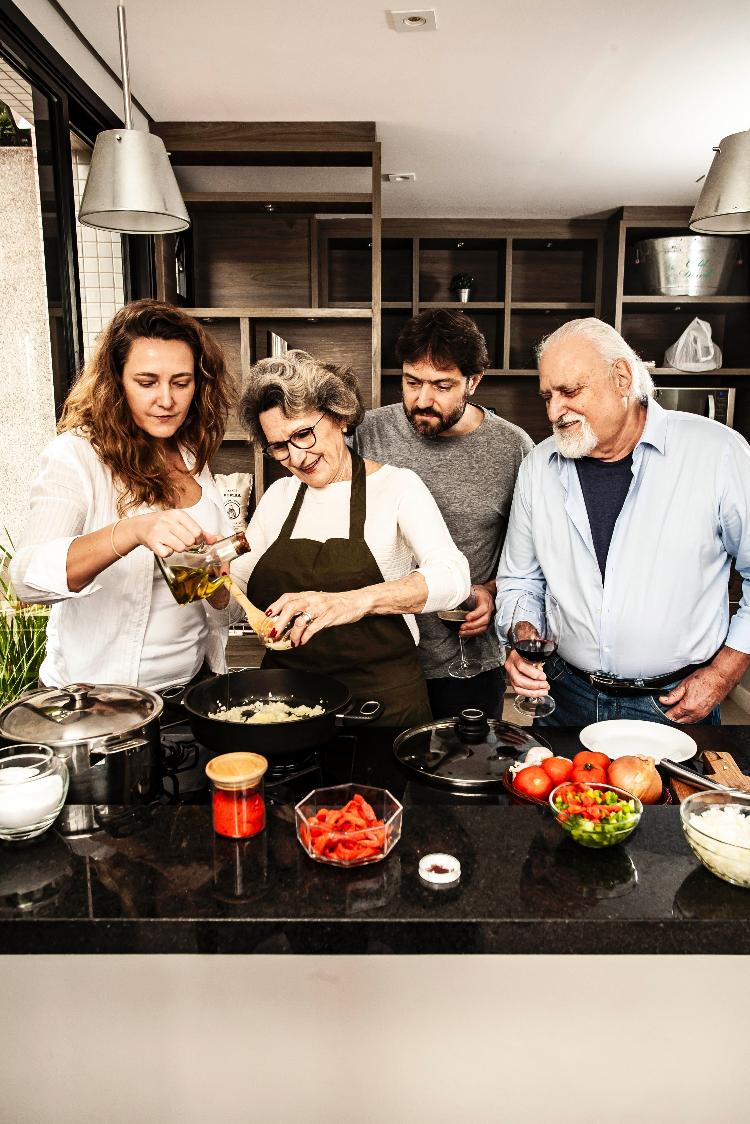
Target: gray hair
609,344
298,384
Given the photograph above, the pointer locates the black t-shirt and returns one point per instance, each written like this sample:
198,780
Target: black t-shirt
604,485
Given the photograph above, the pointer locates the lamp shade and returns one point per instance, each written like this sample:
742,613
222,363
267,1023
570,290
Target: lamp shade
724,203
131,186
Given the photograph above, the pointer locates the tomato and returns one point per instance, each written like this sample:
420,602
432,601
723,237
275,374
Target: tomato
588,774
533,781
559,768
591,757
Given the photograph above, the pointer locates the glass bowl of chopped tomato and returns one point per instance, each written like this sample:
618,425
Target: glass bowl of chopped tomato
595,815
348,824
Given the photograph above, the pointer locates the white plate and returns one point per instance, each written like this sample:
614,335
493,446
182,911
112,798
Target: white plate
624,736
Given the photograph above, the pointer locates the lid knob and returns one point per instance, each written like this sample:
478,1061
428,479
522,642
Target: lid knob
472,724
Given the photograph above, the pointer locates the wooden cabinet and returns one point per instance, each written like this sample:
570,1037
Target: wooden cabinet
651,323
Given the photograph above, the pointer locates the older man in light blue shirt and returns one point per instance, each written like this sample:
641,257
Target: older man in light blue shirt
629,515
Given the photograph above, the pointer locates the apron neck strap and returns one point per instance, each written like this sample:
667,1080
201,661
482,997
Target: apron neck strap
357,502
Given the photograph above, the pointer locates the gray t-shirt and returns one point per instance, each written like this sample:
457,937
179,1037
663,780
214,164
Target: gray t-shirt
472,480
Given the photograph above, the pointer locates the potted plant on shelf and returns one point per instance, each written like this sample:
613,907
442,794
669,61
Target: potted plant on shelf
462,283
23,637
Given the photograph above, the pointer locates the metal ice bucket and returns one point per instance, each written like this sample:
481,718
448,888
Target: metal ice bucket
692,265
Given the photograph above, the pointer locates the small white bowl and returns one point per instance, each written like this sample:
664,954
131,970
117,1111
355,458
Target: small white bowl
33,787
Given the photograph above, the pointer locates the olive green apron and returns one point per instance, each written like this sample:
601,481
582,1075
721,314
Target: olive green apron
376,657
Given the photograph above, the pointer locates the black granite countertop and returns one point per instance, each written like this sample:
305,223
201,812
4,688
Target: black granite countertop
157,879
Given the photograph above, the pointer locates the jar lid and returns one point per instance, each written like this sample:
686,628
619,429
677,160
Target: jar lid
58,716
235,770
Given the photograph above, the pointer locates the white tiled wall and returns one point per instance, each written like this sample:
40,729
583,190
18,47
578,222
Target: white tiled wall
99,263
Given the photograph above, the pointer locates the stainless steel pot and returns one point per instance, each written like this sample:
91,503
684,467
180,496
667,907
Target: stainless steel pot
107,735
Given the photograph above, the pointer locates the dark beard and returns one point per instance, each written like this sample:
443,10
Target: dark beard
422,425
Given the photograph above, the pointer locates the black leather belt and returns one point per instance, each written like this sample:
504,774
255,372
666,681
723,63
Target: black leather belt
611,685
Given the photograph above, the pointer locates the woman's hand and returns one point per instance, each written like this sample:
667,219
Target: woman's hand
312,612
219,599
163,532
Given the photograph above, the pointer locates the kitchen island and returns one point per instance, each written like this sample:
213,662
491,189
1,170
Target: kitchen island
163,1028
157,880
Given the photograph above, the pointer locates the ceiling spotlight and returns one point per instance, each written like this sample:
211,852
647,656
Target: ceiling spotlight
419,19
399,177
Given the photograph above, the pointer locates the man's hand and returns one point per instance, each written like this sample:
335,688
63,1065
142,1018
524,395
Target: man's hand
478,619
526,678
699,693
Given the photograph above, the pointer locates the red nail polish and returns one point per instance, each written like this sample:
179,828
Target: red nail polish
269,613
272,634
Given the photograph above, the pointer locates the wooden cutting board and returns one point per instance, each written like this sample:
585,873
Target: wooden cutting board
720,767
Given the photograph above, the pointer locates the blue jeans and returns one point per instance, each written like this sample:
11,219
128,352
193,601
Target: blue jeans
580,704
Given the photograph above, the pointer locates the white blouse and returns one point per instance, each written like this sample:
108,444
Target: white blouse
403,528
97,635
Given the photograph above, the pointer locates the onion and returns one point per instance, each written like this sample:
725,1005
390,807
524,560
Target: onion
636,775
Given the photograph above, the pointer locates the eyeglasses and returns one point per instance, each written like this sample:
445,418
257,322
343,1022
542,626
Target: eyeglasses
302,439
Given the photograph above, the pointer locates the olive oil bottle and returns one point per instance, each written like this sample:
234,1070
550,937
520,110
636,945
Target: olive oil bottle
194,574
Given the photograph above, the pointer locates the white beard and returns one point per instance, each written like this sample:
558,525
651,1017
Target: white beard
575,443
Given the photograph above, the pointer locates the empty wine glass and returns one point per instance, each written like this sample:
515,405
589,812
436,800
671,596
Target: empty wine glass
462,667
535,634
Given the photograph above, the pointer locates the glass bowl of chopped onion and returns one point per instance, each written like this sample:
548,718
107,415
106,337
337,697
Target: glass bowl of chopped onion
348,824
717,827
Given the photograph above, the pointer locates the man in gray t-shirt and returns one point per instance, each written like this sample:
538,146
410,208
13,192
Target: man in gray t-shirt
469,459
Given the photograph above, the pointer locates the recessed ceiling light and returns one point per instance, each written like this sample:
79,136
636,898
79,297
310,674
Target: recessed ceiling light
399,177
413,19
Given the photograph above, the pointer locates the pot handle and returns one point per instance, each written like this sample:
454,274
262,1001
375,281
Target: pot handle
367,712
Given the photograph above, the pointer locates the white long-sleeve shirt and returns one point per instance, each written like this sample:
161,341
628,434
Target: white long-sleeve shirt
403,528
97,635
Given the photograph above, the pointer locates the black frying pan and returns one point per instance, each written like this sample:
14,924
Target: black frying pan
279,742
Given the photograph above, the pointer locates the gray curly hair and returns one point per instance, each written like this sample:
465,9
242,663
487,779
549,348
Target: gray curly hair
298,384
609,344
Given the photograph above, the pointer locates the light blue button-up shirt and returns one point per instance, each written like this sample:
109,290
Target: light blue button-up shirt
663,602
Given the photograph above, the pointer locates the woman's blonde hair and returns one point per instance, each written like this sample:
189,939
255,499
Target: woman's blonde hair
298,384
96,404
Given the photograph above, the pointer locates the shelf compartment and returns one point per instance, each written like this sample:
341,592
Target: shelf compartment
350,270
245,259
517,399
651,329
552,270
634,285
441,258
227,333
392,322
349,343
527,329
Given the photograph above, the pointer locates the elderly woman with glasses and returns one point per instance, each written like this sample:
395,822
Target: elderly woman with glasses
346,550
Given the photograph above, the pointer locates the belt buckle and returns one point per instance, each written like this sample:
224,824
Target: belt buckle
599,679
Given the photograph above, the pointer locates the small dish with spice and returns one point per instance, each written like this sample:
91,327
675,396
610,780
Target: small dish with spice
348,824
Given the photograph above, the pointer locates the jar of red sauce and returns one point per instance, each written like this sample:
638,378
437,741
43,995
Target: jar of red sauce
239,809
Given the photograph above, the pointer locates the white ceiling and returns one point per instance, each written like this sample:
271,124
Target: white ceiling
511,108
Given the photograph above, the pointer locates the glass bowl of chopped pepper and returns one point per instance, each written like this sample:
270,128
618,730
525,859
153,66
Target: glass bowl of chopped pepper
595,815
348,824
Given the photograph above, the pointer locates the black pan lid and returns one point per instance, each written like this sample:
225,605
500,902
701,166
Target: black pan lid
469,753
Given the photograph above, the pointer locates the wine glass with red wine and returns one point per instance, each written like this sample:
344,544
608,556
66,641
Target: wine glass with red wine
535,634
461,667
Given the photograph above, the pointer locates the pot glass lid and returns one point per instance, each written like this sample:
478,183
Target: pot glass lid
469,753
82,711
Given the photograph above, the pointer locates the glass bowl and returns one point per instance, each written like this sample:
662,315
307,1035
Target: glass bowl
592,832
33,787
354,847
718,836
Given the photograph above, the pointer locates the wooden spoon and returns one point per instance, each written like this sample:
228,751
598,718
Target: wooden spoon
256,618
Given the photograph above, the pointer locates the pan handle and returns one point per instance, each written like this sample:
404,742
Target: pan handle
367,712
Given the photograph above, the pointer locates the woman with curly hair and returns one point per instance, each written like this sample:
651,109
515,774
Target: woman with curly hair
344,550
127,478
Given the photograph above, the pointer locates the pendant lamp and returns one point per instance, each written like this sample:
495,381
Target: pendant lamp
131,186
724,203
